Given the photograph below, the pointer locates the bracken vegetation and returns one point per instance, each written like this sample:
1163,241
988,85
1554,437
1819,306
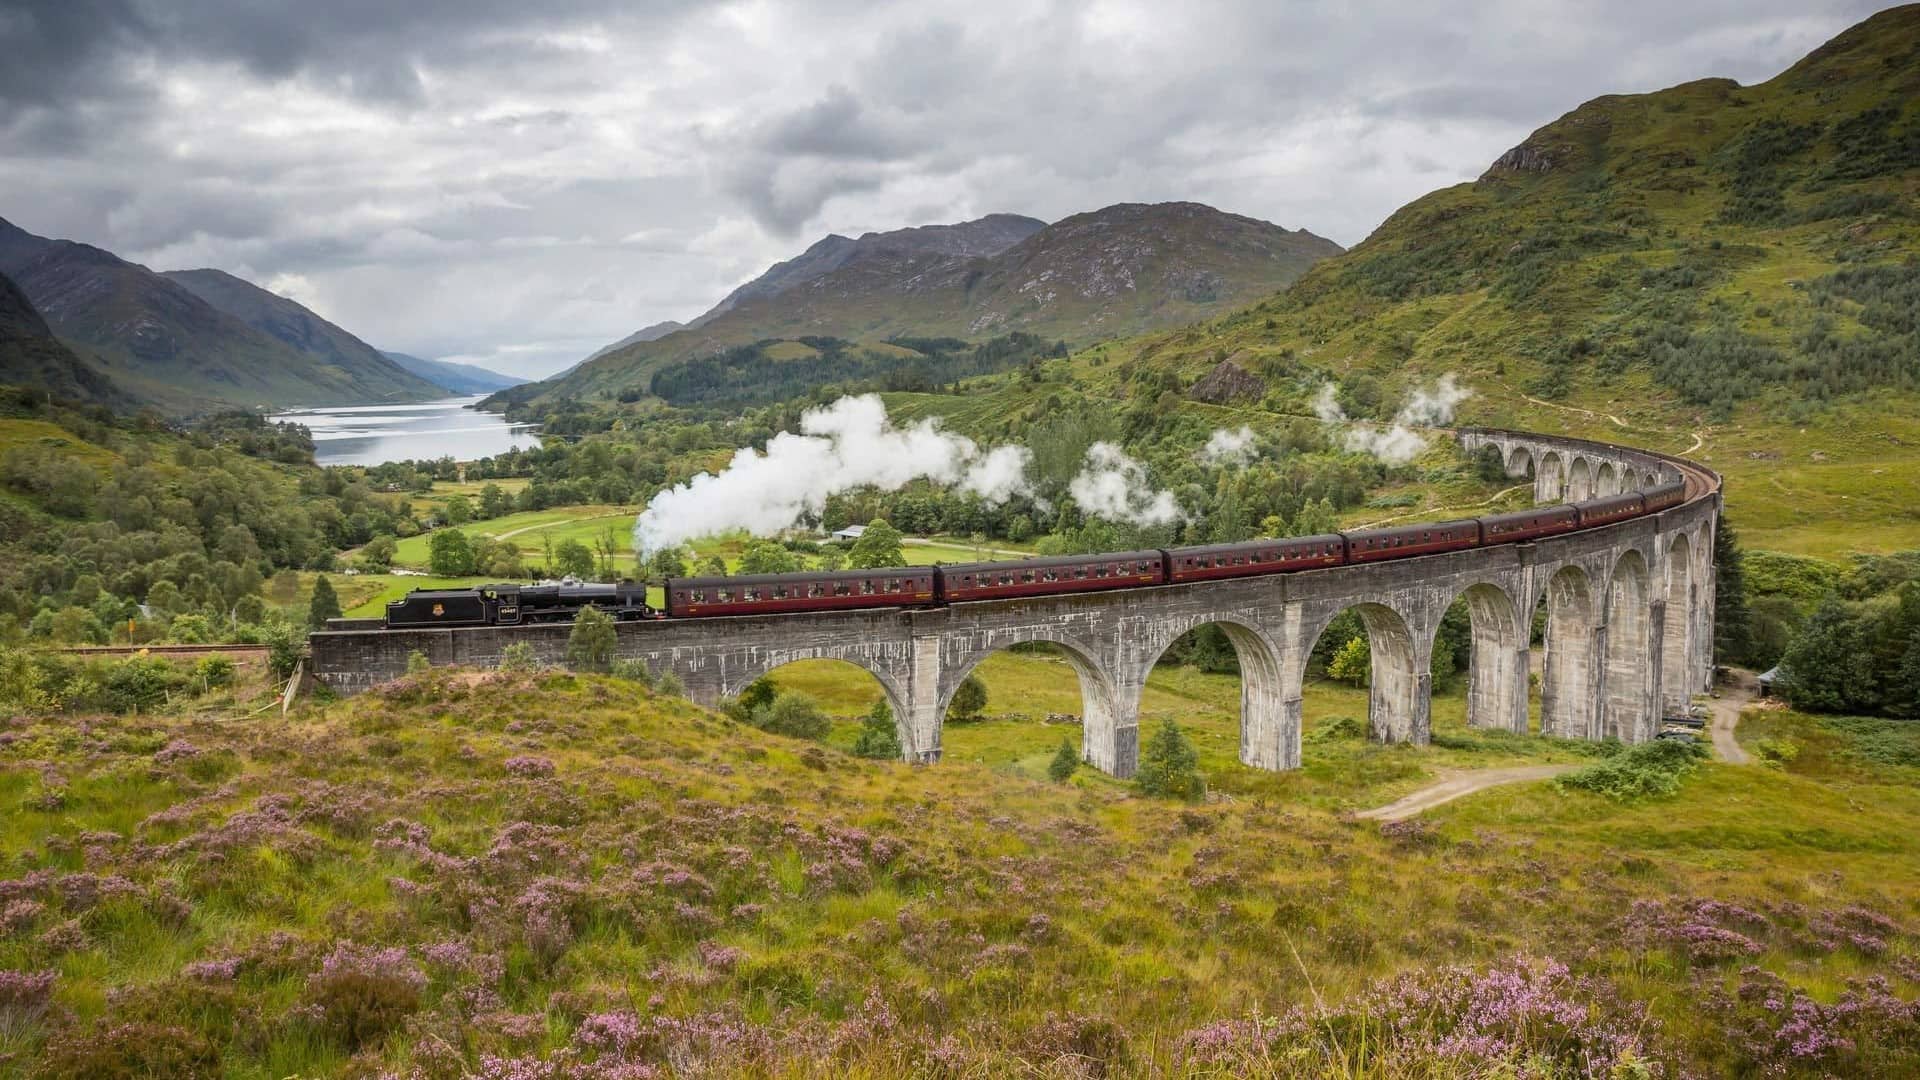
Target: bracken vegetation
523,875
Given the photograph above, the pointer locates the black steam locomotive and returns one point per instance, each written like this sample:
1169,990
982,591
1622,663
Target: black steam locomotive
515,605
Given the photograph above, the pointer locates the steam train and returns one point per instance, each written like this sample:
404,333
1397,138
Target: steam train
931,586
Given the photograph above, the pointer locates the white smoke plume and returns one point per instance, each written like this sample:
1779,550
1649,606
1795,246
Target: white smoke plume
1327,407
842,446
1229,447
1397,443
1114,486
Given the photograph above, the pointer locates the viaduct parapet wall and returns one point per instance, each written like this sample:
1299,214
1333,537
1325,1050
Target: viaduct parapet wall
1628,631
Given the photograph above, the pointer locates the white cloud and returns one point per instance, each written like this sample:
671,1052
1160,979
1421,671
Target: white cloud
447,173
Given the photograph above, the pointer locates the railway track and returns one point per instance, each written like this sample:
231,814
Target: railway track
160,650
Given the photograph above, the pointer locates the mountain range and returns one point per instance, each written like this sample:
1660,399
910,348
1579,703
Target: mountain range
459,378
188,340
1106,273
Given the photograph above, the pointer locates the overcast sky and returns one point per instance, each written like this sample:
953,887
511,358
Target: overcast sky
518,182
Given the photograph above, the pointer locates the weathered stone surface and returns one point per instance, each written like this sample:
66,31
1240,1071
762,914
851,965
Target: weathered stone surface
1628,629
1228,382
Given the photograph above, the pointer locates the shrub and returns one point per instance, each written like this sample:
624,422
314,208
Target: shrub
518,657
669,685
1066,761
362,992
969,700
129,1051
417,663
213,673
1353,663
141,683
1777,752
793,714
283,649
632,671
879,738
591,645
1169,767
1649,769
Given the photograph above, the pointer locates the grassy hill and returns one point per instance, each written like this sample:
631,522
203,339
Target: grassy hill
31,356
577,876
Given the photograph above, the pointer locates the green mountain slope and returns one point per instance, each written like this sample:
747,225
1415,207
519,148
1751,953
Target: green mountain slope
334,349
166,345
1723,269
1120,270
31,356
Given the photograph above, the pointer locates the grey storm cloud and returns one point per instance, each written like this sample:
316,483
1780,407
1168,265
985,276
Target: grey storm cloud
519,183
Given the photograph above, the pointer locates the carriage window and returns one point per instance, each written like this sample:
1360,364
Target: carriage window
816,589
724,595
866,587
779,592
1006,579
750,594
843,588
893,584
1239,560
1048,575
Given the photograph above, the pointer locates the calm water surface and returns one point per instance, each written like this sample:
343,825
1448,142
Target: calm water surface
373,434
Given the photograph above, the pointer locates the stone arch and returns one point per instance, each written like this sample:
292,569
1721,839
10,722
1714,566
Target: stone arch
1676,639
1626,699
1497,672
1109,731
1579,480
1269,736
1606,480
1551,478
1519,462
897,699
1399,683
1649,479
1567,676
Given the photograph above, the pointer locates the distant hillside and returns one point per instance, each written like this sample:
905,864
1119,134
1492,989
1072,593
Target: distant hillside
452,377
164,341
31,356
646,333
883,255
1120,270
1740,264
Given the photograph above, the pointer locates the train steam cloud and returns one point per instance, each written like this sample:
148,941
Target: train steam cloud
852,444
842,446
1398,442
1114,486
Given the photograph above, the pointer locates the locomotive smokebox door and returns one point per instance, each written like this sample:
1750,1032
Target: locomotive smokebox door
439,609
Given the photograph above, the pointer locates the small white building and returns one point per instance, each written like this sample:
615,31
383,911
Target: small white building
851,532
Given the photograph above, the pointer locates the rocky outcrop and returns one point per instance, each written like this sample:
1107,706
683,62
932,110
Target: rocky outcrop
1228,382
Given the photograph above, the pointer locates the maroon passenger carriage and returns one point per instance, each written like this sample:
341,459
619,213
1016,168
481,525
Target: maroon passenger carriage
1609,509
1250,557
820,590
1406,541
1050,576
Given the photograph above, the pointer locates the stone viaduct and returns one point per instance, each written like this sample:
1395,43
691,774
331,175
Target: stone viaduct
1628,631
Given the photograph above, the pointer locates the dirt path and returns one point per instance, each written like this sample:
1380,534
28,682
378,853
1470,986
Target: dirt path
511,533
1497,496
1726,716
1617,422
1009,553
1460,784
